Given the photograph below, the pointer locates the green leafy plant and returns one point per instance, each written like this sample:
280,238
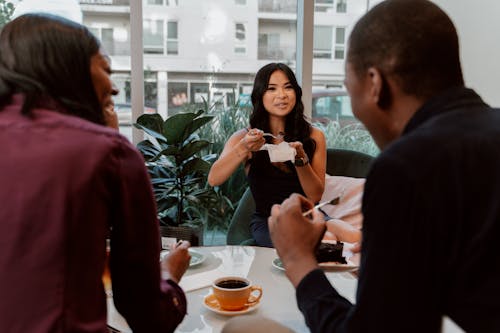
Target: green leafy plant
177,168
6,11
353,136
226,122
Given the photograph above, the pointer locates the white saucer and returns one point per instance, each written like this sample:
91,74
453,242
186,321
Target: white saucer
196,257
211,303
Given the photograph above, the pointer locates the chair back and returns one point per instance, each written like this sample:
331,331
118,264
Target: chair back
348,163
339,162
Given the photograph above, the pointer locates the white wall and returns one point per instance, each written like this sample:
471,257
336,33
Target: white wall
478,27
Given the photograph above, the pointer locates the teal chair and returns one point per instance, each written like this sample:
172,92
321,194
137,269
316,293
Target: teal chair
339,162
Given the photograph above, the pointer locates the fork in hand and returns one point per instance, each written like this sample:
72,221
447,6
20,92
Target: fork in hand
333,201
279,136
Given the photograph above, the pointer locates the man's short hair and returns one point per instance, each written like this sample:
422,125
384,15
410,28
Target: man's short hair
412,41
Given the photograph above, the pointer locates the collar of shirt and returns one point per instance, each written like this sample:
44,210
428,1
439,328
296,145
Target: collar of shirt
449,100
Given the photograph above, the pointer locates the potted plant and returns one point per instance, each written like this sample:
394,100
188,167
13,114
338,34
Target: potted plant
178,172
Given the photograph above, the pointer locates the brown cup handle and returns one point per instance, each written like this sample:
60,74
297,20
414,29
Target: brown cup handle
254,299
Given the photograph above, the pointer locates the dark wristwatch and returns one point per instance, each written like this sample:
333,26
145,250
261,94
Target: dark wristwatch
301,161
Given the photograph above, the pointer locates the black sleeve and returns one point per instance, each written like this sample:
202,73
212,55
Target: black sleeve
395,288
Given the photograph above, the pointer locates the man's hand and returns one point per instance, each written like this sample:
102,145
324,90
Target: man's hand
175,264
295,237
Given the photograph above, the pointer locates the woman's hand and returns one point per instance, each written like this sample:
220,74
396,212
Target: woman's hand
253,140
175,264
110,116
299,148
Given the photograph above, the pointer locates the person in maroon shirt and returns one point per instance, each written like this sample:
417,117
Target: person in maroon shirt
67,183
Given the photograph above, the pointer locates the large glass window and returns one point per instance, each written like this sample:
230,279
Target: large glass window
323,5
339,43
240,38
153,36
322,42
172,38
278,6
177,96
341,6
200,93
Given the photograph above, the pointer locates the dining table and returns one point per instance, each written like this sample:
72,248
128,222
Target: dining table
259,265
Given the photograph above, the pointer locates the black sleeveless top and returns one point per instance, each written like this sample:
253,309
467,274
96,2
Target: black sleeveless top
269,184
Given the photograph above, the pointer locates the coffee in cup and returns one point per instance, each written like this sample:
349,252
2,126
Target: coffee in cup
235,293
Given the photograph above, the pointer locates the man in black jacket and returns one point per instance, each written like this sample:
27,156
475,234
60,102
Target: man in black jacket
431,206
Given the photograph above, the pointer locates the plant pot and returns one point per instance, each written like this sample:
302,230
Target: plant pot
192,234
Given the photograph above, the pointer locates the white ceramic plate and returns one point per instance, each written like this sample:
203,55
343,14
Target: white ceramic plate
210,302
327,266
196,257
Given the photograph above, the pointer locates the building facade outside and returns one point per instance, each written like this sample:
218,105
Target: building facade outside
197,50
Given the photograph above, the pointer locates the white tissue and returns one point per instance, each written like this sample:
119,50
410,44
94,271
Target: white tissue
280,153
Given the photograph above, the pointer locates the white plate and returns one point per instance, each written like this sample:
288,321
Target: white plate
196,257
210,302
327,266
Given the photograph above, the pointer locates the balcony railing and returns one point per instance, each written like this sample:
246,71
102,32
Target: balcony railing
278,6
106,2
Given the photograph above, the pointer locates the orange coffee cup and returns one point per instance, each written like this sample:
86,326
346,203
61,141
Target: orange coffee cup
235,293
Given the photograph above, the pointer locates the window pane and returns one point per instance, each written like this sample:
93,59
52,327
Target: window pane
199,93
172,47
177,96
322,38
323,5
278,6
330,101
322,42
240,32
339,52
340,36
212,50
108,41
341,6
172,29
153,36
155,2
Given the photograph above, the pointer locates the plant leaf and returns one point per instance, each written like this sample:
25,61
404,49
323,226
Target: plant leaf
175,127
192,148
152,121
149,131
195,164
196,124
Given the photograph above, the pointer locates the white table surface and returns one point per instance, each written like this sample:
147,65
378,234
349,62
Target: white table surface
278,300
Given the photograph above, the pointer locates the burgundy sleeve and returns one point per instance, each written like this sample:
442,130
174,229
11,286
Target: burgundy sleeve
148,303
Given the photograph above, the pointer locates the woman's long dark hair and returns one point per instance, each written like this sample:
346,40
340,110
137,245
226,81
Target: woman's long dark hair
47,58
296,126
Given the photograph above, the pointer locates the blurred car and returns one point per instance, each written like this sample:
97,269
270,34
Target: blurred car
331,105
124,113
